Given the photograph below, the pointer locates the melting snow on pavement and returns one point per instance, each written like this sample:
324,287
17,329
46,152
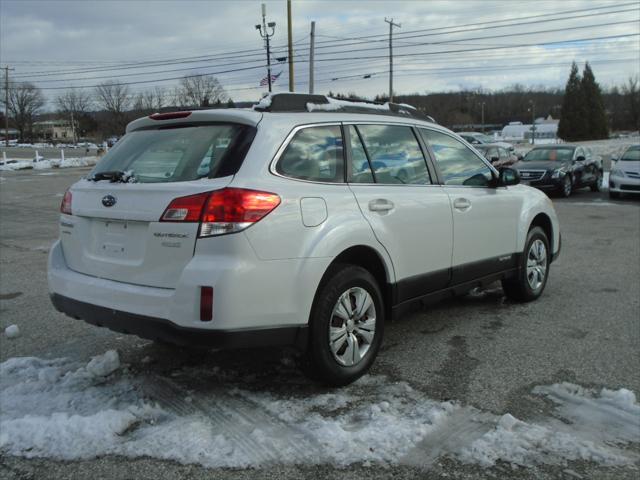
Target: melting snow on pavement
67,410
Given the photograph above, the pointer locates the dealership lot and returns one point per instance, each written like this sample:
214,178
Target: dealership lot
482,352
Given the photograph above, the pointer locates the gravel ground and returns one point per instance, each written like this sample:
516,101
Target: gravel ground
479,350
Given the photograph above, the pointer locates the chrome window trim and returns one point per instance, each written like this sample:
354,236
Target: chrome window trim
297,128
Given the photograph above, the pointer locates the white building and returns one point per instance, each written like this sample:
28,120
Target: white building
545,129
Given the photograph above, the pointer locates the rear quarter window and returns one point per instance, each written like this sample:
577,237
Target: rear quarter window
314,154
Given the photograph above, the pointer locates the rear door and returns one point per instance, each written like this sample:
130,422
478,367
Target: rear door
409,214
485,218
115,232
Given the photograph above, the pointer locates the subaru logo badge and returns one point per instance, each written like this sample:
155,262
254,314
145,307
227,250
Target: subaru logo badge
109,200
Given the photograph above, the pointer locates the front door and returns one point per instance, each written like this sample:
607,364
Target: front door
485,218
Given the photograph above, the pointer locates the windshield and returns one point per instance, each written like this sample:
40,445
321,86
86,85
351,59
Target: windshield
549,155
177,154
631,155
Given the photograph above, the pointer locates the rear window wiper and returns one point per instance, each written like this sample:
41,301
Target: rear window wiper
114,176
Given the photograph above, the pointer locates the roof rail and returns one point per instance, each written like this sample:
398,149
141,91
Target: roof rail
301,102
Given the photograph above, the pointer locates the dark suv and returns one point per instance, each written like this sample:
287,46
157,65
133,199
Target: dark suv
561,168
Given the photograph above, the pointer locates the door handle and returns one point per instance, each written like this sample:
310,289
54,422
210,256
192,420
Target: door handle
380,205
461,204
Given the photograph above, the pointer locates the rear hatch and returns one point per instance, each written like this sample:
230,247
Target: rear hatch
114,230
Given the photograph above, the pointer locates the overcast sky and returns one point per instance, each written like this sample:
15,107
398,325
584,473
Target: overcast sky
57,44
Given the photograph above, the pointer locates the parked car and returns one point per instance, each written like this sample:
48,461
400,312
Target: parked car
300,234
561,168
497,155
625,173
477,138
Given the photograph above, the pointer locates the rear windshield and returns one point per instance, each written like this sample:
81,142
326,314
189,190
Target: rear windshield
179,154
631,155
549,155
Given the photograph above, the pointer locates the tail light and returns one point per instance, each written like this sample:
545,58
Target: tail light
223,211
65,206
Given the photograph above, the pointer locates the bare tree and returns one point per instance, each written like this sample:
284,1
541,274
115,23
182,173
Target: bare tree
151,100
25,102
115,98
201,91
74,104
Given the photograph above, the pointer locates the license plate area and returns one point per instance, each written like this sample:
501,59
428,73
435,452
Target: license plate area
118,240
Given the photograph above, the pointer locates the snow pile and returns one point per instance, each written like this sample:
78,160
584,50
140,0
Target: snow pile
12,331
59,409
47,164
264,103
600,424
65,410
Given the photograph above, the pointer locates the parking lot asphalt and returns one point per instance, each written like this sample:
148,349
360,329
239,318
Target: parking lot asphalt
480,350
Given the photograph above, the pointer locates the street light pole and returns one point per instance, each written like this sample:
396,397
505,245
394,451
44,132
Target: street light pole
6,105
267,36
290,35
533,122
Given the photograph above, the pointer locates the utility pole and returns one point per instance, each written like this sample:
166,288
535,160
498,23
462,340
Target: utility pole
391,25
6,105
311,54
290,34
73,129
266,35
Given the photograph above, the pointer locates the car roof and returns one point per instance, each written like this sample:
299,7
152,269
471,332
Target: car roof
555,146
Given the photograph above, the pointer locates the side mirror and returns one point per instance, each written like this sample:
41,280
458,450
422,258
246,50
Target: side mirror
508,176
580,158
495,159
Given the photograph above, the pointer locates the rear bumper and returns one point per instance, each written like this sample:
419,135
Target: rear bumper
160,329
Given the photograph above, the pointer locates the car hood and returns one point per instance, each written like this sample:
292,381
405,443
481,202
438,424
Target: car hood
540,165
627,166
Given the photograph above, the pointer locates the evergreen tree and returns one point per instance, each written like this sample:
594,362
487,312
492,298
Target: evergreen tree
573,123
597,127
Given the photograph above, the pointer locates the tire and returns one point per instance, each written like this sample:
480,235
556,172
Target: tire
533,270
595,187
614,194
567,187
338,368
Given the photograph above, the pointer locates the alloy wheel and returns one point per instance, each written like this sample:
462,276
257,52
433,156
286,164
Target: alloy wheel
536,264
352,326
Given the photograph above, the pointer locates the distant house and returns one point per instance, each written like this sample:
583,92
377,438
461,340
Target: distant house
12,133
545,128
54,130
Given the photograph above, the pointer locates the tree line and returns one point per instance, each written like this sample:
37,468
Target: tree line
110,106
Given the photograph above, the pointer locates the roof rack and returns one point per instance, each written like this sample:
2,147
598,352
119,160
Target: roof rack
300,102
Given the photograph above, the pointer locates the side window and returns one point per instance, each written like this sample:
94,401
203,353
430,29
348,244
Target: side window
395,155
360,168
504,155
579,153
458,164
314,153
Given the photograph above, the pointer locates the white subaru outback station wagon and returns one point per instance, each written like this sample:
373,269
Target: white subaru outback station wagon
302,222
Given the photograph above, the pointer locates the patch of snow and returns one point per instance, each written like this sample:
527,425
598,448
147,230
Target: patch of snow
265,102
68,410
335,105
12,331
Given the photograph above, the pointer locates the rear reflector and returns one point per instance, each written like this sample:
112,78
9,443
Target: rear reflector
222,211
169,115
206,304
65,206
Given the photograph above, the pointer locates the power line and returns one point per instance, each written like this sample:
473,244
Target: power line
235,54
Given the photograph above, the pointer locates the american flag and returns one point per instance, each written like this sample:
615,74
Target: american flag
265,80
